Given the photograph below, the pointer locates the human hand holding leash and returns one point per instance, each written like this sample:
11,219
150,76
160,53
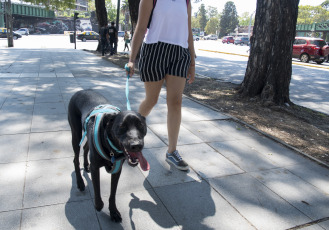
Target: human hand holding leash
130,68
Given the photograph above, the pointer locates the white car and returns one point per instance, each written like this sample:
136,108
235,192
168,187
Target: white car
23,31
211,37
196,38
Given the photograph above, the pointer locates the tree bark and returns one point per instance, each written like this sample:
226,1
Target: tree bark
269,66
101,15
133,10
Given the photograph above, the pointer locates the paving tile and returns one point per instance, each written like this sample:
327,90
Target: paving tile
200,207
45,73
30,74
16,124
281,155
296,191
14,148
324,224
161,173
131,180
206,131
49,123
139,210
51,182
185,136
57,145
207,162
243,156
49,98
235,129
11,186
314,174
258,204
49,108
71,215
158,115
10,220
152,141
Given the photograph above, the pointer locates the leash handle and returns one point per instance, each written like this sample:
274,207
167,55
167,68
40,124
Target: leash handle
127,87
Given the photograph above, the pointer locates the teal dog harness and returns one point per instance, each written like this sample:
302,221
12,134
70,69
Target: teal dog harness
98,112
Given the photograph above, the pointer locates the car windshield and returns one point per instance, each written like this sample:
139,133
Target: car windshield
319,43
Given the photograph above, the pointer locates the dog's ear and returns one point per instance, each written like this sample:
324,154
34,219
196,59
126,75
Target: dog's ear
108,120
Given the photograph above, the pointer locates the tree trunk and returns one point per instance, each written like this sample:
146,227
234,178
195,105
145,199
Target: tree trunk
133,10
101,15
269,67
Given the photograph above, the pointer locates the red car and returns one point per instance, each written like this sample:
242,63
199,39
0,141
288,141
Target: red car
227,39
306,49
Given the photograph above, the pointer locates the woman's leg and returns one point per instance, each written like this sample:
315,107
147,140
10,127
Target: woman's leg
175,87
152,91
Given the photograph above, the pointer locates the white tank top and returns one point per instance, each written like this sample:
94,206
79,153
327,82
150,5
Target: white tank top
169,23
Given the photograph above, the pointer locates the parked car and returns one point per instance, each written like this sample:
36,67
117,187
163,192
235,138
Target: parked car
242,41
88,35
228,39
3,34
307,48
23,31
196,38
210,37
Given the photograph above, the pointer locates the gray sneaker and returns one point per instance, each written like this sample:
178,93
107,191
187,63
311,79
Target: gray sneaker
175,159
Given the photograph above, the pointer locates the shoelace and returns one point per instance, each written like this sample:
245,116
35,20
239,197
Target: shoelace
177,155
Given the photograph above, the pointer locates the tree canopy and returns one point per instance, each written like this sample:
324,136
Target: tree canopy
312,14
229,19
54,4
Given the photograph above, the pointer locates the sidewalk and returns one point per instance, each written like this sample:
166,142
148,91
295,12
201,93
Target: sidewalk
239,179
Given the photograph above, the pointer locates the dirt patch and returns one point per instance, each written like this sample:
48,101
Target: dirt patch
299,127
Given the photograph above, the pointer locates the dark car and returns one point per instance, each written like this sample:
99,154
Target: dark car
3,34
228,39
307,48
88,35
242,41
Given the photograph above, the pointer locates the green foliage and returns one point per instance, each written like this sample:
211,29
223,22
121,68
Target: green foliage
195,22
312,14
212,12
212,26
229,19
111,10
202,17
55,4
325,4
244,19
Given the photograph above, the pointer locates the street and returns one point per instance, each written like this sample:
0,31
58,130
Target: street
226,62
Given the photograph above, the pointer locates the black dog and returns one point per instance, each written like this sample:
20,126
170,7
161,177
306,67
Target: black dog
112,137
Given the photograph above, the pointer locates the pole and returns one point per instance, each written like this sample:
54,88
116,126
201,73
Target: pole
117,24
74,35
249,28
9,24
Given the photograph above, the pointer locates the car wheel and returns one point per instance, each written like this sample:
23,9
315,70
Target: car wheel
319,62
236,44
84,39
241,44
15,37
304,58
197,39
228,42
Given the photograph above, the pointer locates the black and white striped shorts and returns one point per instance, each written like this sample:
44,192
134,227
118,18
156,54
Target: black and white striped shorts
159,59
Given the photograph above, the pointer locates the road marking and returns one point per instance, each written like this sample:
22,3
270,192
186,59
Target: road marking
293,62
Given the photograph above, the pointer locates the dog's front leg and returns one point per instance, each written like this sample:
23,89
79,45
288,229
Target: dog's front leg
115,214
95,178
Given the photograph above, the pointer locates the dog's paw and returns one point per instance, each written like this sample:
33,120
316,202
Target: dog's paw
116,216
99,206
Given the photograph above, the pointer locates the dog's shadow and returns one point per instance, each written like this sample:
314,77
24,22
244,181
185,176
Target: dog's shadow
171,210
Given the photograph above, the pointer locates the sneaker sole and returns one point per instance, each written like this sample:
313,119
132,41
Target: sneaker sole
178,167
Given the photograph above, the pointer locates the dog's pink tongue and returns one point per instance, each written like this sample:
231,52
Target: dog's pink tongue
142,161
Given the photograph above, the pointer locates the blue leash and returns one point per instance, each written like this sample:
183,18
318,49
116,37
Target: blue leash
127,87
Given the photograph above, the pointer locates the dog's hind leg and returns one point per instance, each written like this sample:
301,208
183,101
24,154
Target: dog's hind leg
115,214
85,157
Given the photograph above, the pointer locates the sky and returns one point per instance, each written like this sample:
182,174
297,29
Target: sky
244,5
